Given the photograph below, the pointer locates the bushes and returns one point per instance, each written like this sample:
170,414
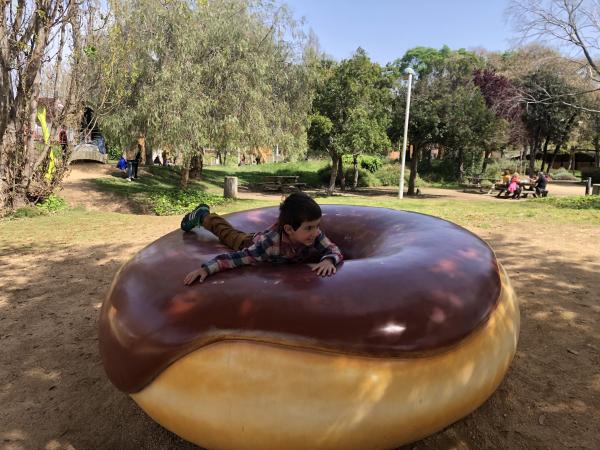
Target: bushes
438,169
386,175
367,162
580,202
563,174
52,204
170,202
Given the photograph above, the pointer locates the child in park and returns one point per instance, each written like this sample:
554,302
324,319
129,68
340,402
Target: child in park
293,238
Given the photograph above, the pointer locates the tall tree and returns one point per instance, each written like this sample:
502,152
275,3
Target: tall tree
448,110
546,117
350,111
204,74
34,36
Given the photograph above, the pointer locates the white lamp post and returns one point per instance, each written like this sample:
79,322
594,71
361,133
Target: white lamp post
410,74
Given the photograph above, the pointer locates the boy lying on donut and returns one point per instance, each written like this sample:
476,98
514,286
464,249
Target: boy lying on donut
292,239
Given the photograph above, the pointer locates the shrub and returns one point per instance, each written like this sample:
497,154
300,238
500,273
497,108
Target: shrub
172,202
367,162
579,202
114,152
389,175
438,169
365,178
52,204
27,211
563,174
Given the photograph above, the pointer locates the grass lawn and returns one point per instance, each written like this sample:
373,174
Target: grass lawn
156,192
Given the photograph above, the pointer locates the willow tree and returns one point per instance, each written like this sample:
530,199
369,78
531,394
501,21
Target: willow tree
193,75
43,51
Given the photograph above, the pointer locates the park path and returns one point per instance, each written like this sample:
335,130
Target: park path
77,190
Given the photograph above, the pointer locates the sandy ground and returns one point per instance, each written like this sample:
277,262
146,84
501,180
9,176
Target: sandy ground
54,393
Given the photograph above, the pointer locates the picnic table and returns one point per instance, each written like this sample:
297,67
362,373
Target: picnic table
527,187
282,183
474,182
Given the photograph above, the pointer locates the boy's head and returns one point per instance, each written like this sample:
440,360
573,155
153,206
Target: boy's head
299,217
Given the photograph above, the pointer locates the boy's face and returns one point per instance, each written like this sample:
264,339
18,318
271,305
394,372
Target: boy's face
305,234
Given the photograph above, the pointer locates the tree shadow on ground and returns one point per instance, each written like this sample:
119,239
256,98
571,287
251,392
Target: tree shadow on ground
53,387
55,392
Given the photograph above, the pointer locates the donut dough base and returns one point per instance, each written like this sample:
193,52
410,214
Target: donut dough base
242,395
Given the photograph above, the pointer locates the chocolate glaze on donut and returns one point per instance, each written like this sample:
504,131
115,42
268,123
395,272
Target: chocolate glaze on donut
410,284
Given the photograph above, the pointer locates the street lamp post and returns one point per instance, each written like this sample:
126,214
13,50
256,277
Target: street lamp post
410,74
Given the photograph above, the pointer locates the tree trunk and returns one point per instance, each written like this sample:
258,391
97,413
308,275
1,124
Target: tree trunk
461,166
551,164
195,166
545,153
597,158
341,173
355,166
334,169
486,156
533,151
572,158
231,187
414,163
185,175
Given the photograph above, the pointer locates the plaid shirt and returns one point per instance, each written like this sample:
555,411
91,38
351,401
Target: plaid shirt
274,246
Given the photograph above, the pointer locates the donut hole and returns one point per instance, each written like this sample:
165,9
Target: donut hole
363,243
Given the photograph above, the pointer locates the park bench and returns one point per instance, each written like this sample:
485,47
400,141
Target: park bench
474,182
282,183
526,189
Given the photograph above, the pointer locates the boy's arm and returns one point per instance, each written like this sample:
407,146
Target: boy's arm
329,249
257,252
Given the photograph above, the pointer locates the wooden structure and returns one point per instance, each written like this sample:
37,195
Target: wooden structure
474,182
87,152
527,188
282,183
230,189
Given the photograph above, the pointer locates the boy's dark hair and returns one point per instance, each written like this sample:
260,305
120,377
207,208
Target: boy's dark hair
297,208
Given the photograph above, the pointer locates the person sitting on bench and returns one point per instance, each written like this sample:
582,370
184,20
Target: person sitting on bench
513,187
540,185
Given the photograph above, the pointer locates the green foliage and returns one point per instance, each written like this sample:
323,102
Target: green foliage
171,202
114,152
496,168
221,75
438,170
52,204
350,109
579,202
252,175
367,162
27,212
386,175
563,174
389,175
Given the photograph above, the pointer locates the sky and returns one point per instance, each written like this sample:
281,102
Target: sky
387,28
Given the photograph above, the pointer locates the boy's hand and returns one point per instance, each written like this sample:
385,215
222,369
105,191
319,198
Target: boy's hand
201,274
325,268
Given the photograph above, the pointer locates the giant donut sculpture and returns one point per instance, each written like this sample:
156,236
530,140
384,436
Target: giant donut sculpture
416,330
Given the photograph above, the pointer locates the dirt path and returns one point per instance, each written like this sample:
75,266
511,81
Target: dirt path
55,395
78,191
